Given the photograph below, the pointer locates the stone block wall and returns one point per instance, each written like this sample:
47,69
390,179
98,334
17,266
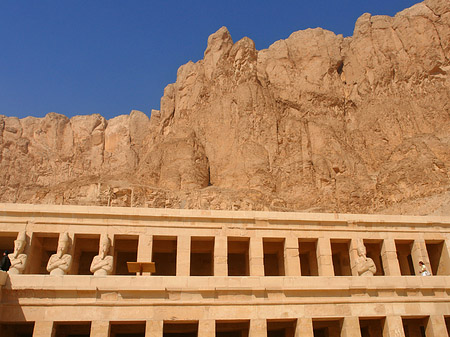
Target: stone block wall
222,273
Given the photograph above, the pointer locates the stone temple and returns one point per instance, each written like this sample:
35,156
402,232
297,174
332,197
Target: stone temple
188,223
221,273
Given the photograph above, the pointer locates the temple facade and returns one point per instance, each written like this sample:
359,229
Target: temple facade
221,273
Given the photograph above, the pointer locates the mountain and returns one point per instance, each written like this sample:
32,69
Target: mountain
316,122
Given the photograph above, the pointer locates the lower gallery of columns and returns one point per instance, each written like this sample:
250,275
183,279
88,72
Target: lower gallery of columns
349,326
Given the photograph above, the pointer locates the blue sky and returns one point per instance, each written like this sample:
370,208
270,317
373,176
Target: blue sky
110,56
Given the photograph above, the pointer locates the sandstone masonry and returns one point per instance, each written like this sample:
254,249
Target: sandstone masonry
222,273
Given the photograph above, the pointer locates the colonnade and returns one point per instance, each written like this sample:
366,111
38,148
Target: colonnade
390,326
324,256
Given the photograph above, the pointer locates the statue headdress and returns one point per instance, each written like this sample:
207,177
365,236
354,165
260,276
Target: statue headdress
21,237
64,237
105,239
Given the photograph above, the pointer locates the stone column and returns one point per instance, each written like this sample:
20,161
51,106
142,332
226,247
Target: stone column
419,253
258,328
221,256
304,328
350,327
100,329
207,328
436,327
71,251
389,258
324,257
154,328
183,255
43,329
393,327
28,251
353,253
144,253
444,268
256,256
291,257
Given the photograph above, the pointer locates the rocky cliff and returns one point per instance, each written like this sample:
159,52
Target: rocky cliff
316,122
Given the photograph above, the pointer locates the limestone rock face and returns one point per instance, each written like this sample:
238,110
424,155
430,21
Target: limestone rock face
316,122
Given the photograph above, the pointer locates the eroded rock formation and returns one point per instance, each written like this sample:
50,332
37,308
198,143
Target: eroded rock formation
315,122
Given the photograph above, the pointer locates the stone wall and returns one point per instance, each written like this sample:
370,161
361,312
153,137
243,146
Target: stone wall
255,273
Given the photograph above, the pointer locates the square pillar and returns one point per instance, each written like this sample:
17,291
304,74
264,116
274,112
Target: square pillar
207,328
183,255
419,253
145,245
350,327
389,258
324,257
393,327
256,256
100,329
71,250
353,253
154,328
444,268
28,251
144,252
304,328
436,327
258,328
43,329
291,257
221,256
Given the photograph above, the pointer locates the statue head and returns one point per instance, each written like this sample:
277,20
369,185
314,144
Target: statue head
361,249
19,243
63,243
105,243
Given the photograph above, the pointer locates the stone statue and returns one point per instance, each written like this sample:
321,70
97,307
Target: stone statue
364,265
59,263
102,264
17,258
